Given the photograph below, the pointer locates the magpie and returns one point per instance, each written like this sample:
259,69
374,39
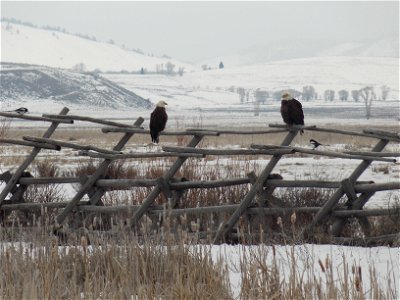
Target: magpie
21,110
315,144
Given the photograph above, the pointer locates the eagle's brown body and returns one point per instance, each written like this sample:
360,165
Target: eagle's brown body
292,112
158,120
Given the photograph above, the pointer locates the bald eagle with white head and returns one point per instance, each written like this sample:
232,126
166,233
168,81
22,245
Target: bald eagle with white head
292,111
158,120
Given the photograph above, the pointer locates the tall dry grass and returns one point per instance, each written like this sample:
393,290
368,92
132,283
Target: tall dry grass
290,275
125,267
109,270
4,128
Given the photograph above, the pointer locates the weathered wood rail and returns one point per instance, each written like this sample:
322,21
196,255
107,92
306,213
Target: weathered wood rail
258,200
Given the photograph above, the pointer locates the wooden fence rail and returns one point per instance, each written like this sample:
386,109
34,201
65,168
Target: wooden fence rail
259,199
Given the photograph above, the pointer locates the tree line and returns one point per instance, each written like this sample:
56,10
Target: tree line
309,93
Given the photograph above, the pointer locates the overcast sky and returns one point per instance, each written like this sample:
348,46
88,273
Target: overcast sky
192,31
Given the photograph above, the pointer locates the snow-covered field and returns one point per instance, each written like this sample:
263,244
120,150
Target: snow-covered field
385,260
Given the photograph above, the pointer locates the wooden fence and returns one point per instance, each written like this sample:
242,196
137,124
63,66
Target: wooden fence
258,200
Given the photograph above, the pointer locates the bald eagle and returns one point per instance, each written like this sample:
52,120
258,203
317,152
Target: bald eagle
292,111
158,120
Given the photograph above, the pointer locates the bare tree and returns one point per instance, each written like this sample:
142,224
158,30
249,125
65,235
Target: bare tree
160,68
368,95
242,93
355,94
261,96
329,95
80,67
343,95
170,68
385,91
308,92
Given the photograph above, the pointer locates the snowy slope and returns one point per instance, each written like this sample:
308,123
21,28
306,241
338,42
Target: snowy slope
324,72
303,48
211,87
382,48
212,90
41,84
23,44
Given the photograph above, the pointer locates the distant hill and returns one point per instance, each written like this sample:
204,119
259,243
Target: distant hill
218,87
303,48
23,81
27,44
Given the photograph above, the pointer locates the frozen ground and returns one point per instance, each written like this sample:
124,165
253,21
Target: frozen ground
385,260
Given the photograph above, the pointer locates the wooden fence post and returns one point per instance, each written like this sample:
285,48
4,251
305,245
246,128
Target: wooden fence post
331,203
157,189
87,186
17,194
354,205
17,174
255,188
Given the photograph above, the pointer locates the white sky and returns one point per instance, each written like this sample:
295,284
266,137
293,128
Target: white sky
192,31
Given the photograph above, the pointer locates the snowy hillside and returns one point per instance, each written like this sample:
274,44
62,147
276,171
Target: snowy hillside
198,91
41,85
294,49
382,48
23,44
211,87
322,72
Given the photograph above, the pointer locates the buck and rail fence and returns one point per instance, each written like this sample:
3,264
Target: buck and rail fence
257,207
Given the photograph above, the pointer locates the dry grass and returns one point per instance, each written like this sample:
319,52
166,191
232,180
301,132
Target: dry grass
124,268
4,128
389,224
263,277
106,270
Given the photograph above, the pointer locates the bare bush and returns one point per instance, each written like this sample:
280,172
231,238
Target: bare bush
116,170
389,224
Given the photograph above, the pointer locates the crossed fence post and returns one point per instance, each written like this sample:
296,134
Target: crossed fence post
28,160
159,187
255,188
90,182
332,202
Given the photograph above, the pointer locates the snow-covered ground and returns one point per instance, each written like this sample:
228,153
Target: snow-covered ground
24,44
385,260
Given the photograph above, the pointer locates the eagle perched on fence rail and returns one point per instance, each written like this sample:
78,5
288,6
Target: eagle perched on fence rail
292,111
158,120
